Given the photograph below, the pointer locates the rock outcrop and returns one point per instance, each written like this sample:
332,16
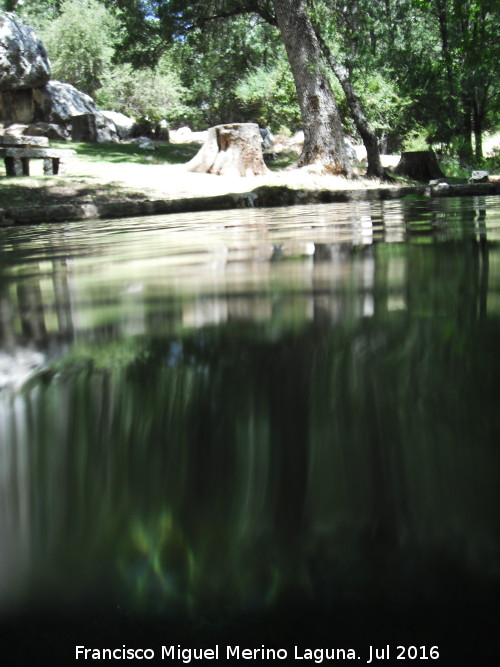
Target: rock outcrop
49,130
24,62
59,103
17,106
27,95
122,123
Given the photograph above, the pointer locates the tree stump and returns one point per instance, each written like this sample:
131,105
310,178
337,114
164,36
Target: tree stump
230,150
419,165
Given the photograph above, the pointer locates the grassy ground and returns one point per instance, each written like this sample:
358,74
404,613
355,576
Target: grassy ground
132,154
125,172
84,179
104,172
121,172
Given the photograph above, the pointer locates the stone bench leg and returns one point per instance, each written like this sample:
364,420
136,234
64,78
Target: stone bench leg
53,165
14,166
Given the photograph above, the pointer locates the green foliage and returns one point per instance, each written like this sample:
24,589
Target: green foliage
425,70
452,168
468,51
416,140
131,154
78,43
213,62
385,105
100,358
440,57
37,13
151,93
258,86
269,97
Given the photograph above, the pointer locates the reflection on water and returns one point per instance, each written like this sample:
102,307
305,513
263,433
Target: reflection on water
243,409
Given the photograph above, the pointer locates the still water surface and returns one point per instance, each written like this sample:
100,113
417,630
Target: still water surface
267,414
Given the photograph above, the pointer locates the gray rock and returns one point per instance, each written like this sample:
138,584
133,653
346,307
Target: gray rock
23,59
49,130
351,153
184,133
106,129
266,138
144,143
13,129
440,187
123,124
28,96
479,176
161,131
17,106
93,128
16,141
84,128
59,103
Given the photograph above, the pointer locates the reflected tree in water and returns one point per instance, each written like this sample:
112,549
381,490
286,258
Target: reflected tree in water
336,453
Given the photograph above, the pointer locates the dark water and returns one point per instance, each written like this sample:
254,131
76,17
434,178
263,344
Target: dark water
255,428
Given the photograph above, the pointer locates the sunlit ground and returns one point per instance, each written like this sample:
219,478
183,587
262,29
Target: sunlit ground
118,171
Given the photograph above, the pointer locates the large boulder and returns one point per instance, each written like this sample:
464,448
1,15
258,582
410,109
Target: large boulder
28,96
122,123
49,130
59,103
17,106
23,59
184,135
93,128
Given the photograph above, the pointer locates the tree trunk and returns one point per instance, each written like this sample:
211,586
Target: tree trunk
366,133
419,165
478,116
323,133
230,150
442,16
465,152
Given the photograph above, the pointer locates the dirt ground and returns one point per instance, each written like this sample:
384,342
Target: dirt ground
174,181
97,182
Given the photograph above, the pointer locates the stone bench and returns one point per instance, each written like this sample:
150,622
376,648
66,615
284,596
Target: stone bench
9,141
18,151
17,160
